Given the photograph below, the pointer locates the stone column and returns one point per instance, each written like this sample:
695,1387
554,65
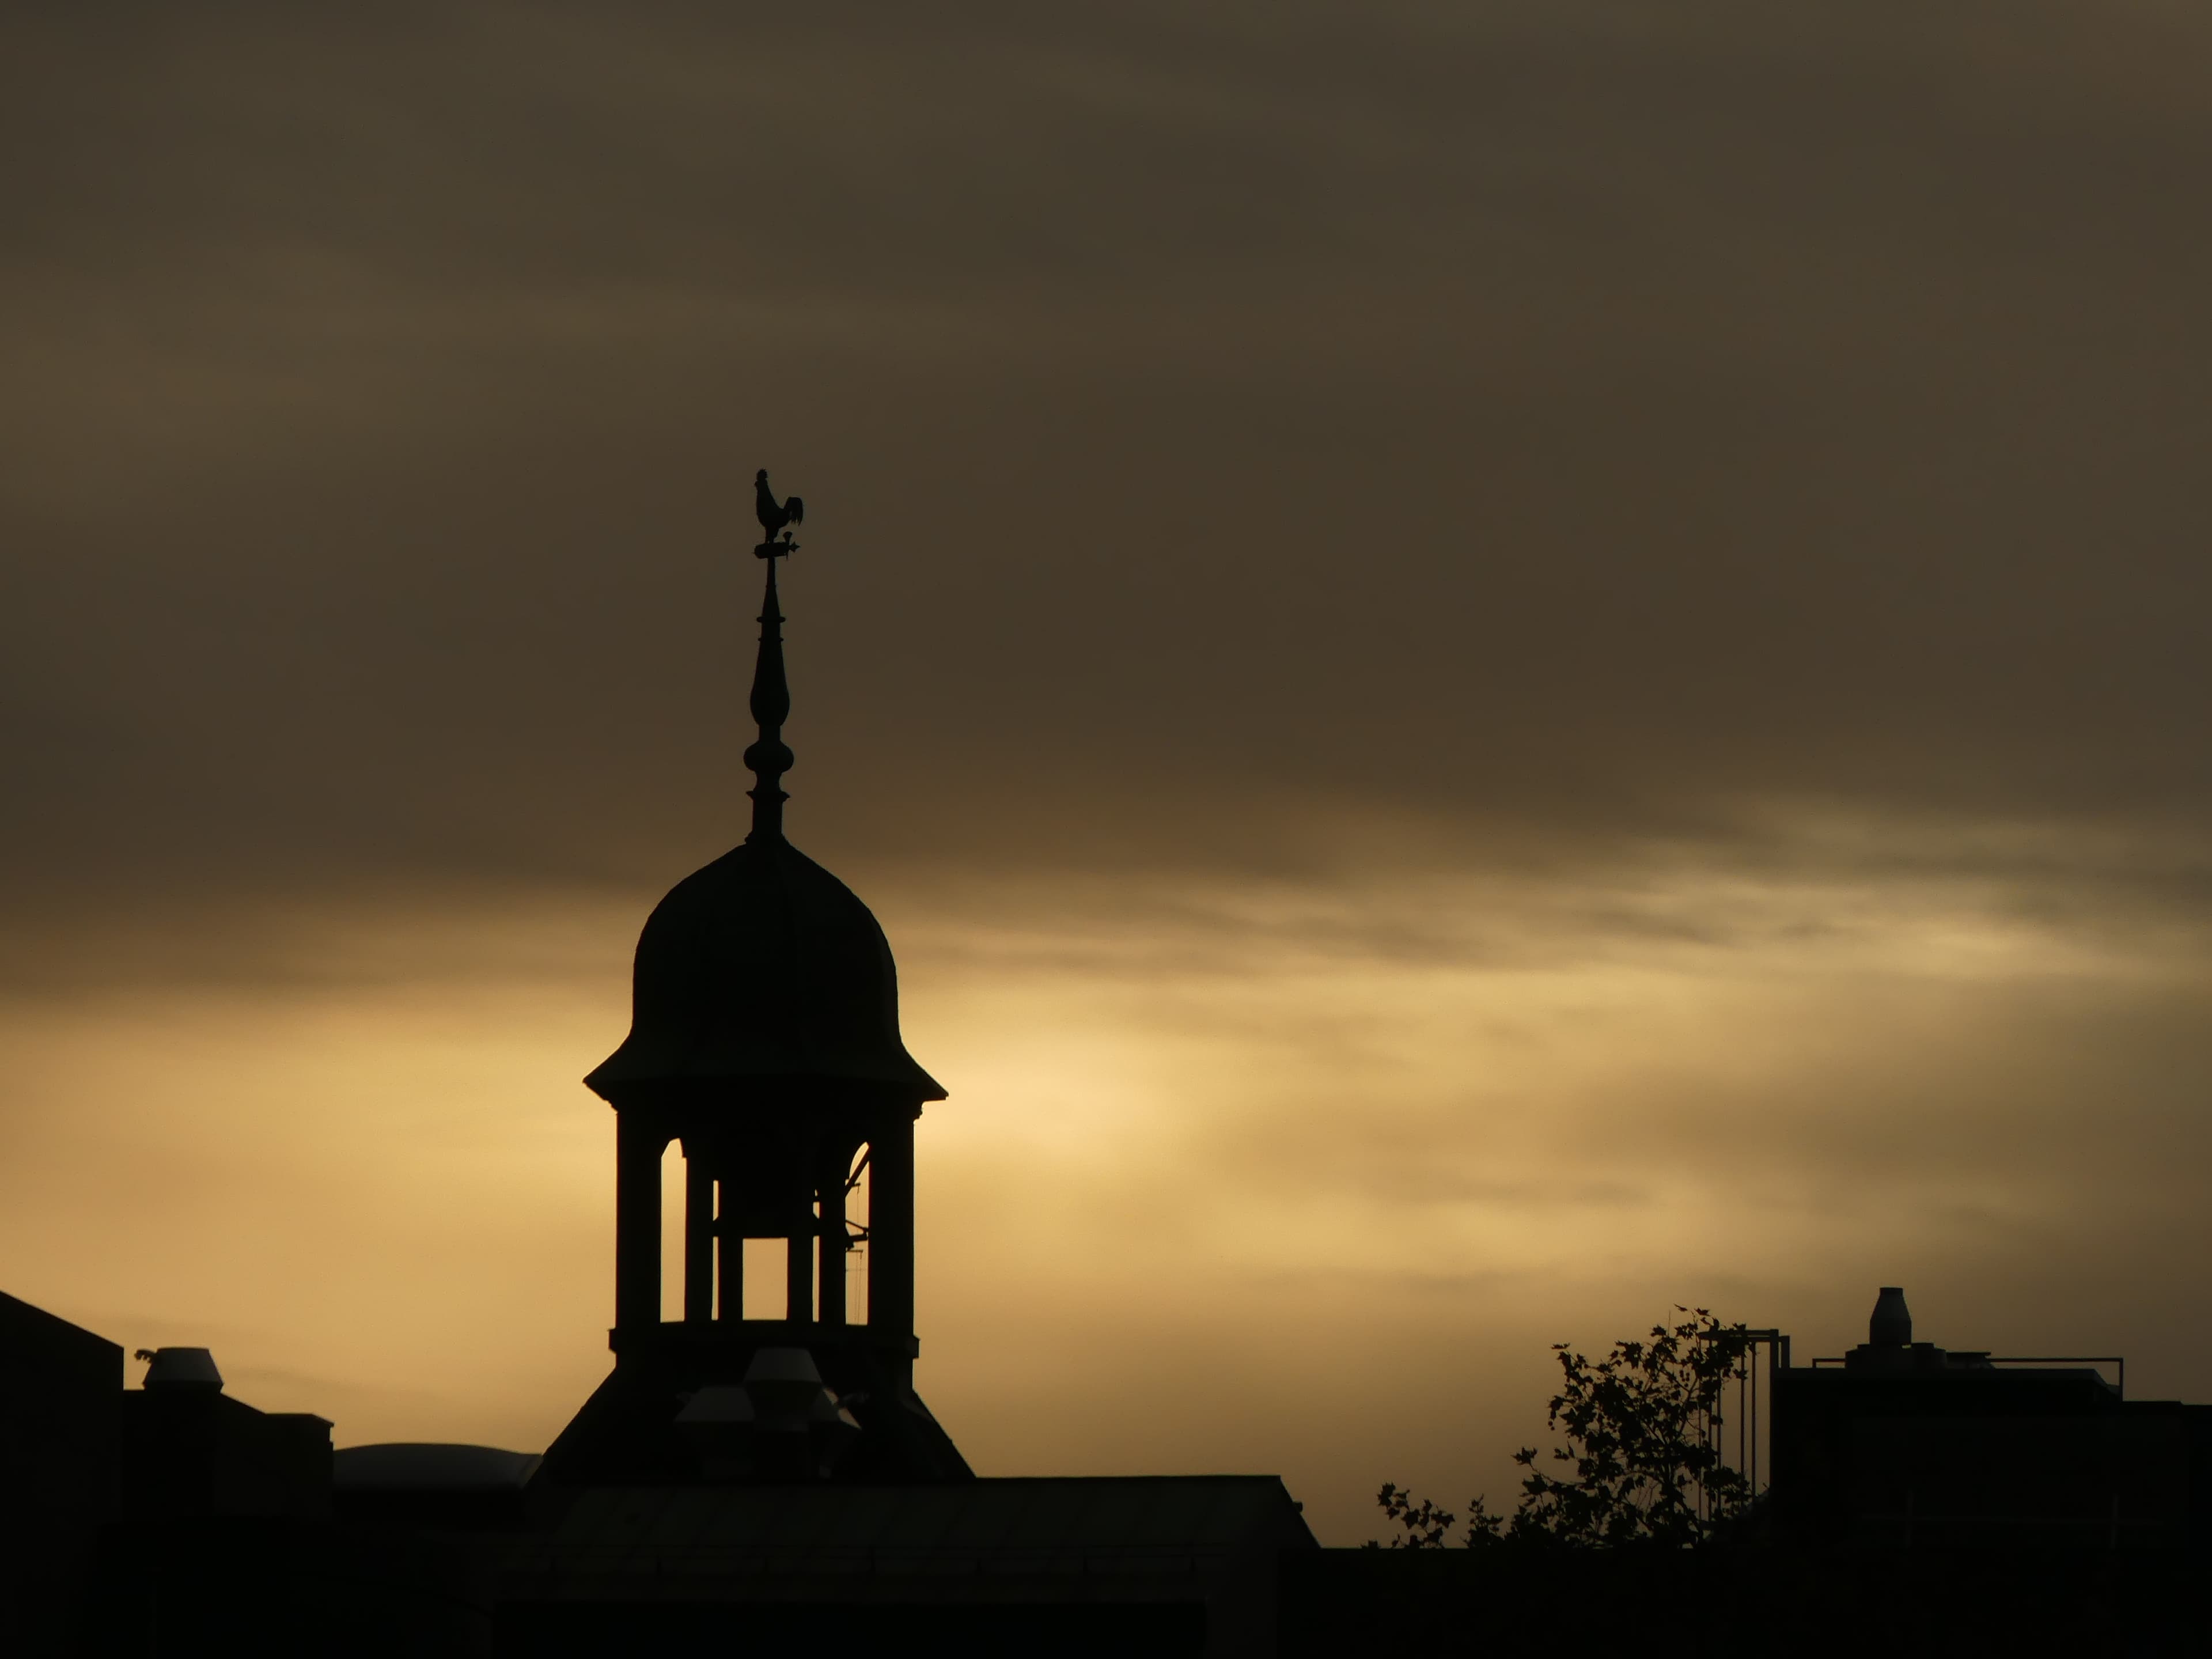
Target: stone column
890,1237
798,1274
729,1259
829,1257
639,1142
698,1237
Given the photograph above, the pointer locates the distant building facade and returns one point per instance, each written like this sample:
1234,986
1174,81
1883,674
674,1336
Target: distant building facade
1906,1445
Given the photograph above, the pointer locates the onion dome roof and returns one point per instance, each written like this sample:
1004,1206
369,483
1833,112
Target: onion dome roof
764,966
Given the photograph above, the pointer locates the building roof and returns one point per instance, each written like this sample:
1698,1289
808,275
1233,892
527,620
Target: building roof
764,966
418,1465
1154,1520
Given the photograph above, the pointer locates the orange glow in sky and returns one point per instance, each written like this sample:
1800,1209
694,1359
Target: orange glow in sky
1259,1178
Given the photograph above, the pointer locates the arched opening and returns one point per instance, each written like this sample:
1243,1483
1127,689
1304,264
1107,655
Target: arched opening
856,1238
671,1230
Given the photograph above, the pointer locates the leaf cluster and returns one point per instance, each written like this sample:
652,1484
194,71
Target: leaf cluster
1643,1427
1422,1525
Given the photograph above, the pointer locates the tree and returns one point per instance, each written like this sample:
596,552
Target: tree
1423,1525
1643,1427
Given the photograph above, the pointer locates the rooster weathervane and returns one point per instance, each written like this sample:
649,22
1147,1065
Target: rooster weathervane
776,519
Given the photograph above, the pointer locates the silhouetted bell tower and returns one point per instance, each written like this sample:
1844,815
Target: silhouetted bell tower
764,1050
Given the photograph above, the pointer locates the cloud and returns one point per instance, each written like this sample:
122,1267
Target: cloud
1564,417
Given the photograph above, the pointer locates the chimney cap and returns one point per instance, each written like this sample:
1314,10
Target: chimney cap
180,1368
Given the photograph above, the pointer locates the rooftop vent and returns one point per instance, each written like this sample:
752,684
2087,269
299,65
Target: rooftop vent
1892,1324
180,1368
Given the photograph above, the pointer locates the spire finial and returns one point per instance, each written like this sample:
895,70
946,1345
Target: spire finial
768,758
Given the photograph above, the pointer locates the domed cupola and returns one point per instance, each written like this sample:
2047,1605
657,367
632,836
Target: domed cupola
764,1048
763,972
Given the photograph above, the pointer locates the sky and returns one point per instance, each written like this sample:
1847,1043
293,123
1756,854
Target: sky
1495,666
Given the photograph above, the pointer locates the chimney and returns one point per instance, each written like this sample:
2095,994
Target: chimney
1892,1324
181,1369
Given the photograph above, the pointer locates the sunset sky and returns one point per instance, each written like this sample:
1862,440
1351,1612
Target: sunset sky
1495,666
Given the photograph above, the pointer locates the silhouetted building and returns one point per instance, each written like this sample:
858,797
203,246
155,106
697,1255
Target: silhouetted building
1901,1444
440,1486
191,1449
773,1465
118,1502
61,1464
1138,1565
764,1047
751,1473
